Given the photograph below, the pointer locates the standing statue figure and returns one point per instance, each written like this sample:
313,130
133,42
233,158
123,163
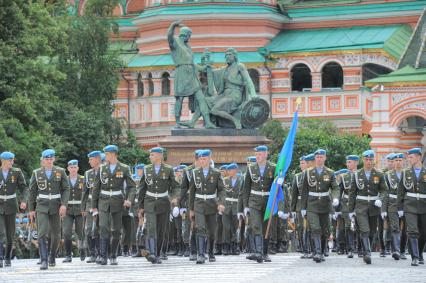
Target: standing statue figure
187,83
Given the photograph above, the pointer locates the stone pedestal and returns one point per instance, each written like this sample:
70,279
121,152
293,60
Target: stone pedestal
227,145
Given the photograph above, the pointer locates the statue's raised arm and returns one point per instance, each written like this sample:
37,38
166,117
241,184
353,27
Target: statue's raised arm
171,33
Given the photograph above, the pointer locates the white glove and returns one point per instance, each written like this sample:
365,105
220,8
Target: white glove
384,214
335,202
170,217
240,215
400,213
280,181
293,215
182,211
351,215
292,220
95,213
246,211
175,211
303,212
282,215
334,216
378,203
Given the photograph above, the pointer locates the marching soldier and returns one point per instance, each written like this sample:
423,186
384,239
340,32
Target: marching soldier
347,227
91,223
75,212
257,185
48,200
368,190
317,184
13,189
175,234
206,198
108,199
295,207
390,207
232,186
139,222
412,203
157,187
219,221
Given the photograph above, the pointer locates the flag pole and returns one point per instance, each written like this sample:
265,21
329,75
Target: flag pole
272,213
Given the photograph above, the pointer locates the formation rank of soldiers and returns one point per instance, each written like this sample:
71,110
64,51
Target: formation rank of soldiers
198,210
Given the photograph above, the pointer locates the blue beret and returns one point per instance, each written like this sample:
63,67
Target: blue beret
390,156
102,156
232,166
251,159
223,167
7,155
182,167
261,148
73,162
398,155
302,158
368,153
157,150
310,157
48,153
341,171
111,148
139,166
416,150
175,169
95,153
204,153
352,157
320,152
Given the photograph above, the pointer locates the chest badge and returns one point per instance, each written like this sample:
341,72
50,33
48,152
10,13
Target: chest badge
12,179
376,180
326,178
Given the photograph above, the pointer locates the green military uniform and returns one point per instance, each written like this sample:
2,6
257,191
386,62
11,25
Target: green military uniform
295,207
390,207
346,228
74,217
255,198
46,196
281,234
412,201
316,202
229,217
91,224
156,189
363,195
206,192
188,230
108,197
128,228
13,189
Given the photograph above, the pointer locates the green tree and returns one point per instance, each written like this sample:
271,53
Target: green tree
311,135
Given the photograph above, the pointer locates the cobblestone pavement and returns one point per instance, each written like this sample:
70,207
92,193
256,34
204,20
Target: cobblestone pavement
283,268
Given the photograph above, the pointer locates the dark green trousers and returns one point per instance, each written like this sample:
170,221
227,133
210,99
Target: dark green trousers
68,222
230,226
110,222
319,223
7,228
205,225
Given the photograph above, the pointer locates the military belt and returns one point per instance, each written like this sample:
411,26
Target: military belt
74,202
49,196
136,200
111,193
315,194
367,198
90,196
157,195
418,196
6,197
263,194
392,196
231,199
345,196
299,197
204,197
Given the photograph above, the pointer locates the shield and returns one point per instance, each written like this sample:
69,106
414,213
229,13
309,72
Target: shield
254,113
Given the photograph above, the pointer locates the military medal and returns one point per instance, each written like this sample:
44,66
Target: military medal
424,177
58,175
326,178
12,179
376,180
164,175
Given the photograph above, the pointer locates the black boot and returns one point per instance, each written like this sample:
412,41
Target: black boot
186,252
126,251
414,248
350,244
265,255
324,248
180,249
225,249
193,249
114,249
218,249
258,243
152,248
42,247
7,259
52,259
396,243
212,258
317,246
235,248
421,249
272,248
104,251
1,254
68,252
92,249
201,250
366,247
251,248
